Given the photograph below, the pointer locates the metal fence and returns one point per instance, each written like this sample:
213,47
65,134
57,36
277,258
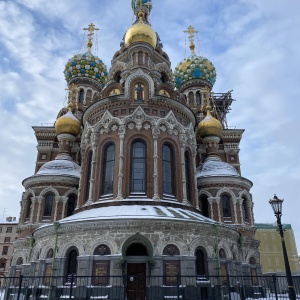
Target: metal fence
147,287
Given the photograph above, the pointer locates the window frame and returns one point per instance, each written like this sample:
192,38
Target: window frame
226,206
107,169
47,208
132,168
168,164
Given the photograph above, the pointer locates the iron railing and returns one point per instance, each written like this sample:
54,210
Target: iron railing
147,287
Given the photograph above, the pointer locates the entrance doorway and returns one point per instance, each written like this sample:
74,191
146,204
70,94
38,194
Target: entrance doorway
136,281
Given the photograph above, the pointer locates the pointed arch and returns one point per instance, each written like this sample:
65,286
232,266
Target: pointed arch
49,189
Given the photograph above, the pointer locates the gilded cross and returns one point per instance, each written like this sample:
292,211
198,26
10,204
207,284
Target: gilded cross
91,28
191,31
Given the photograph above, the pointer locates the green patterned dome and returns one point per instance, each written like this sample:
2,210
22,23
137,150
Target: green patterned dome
195,67
86,65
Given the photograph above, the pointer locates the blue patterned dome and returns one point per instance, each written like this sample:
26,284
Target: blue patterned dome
137,3
195,67
86,65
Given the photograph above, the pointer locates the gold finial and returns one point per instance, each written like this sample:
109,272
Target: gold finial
191,31
73,95
91,28
141,16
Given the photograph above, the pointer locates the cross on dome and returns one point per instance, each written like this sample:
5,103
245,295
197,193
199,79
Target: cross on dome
91,28
191,31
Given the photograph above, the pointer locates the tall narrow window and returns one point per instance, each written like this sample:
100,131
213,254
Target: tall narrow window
108,170
204,206
245,210
187,175
201,263
28,206
226,206
71,205
167,159
138,167
88,175
71,264
48,205
80,96
198,98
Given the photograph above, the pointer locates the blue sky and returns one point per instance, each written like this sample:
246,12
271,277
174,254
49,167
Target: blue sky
252,43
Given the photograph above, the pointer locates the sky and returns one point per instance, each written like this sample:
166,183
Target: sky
253,44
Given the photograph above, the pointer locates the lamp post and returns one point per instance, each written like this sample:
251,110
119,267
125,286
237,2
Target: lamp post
276,204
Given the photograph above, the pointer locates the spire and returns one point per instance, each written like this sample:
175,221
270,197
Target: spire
91,28
191,31
73,96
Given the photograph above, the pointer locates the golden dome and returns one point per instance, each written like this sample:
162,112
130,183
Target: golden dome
68,123
209,126
140,32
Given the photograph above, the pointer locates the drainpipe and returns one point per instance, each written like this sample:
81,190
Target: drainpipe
218,259
55,226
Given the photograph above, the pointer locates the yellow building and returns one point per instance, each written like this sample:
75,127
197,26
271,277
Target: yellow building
271,255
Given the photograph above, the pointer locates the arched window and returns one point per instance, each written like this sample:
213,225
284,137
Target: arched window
226,206
204,206
50,253
137,249
19,261
71,205
71,263
198,98
171,266
101,268
28,206
167,169
245,210
138,167
108,170
187,175
48,205
88,175
201,262
81,96
102,250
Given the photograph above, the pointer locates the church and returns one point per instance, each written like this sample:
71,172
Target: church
139,175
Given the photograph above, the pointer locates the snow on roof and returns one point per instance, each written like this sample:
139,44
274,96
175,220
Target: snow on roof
135,212
213,166
60,167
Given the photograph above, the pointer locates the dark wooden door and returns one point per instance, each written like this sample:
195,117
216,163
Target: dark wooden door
136,281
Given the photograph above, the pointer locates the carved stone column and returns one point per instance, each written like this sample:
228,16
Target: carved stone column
210,201
155,134
33,199
64,201
194,153
218,199
234,211
39,200
144,58
92,177
182,138
56,198
240,200
122,132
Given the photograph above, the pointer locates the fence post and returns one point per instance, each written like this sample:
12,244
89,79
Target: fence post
275,287
125,285
72,278
20,286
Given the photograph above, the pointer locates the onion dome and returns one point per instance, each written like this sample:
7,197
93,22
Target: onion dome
68,123
209,126
137,3
140,32
86,65
213,166
195,67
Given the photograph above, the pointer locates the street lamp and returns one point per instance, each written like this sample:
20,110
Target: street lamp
276,204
